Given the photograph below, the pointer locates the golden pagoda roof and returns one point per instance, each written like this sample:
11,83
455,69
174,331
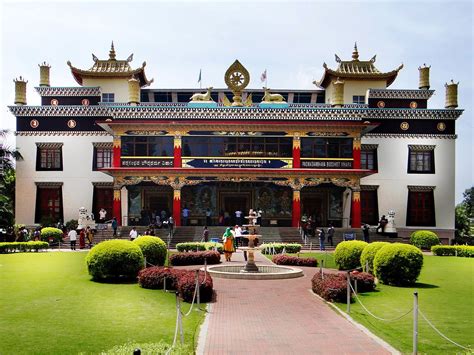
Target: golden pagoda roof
111,68
356,69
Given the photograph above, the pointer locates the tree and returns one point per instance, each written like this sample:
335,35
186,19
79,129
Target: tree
468,201
463,214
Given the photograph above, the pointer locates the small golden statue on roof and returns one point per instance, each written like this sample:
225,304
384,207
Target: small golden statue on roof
203,97
268,97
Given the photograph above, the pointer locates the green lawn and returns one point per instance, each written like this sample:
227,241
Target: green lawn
48,305
446,297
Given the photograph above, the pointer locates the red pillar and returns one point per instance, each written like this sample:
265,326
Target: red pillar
296,211
177,207
356,153
177,162
296,152
356,210
117,206
117,152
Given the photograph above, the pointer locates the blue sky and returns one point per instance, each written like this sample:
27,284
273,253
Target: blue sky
290,39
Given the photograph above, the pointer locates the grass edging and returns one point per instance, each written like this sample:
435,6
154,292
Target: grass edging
201,342
359,326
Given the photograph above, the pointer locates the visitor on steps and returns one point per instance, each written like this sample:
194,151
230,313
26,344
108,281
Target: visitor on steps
82,239
208,217
133,234
90,237
322,237
228,240
330,234
102,215
365,231
205,234
114,226
238,217
72,238
185,216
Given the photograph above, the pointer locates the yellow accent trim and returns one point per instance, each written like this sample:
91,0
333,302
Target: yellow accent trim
296,195
117,142
117,195
356,196
296,142
356,143
177,194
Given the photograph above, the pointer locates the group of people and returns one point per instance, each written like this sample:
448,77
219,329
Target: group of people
85,236
233,238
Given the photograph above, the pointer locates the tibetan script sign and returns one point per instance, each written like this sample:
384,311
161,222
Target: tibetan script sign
326,164
147,163
246,163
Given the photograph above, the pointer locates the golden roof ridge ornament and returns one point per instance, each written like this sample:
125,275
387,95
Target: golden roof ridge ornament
237,78
355,53
112,52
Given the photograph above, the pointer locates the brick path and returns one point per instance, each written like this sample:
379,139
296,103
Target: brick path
278,317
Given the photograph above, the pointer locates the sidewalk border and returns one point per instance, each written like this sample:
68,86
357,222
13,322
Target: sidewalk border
359,326
201,344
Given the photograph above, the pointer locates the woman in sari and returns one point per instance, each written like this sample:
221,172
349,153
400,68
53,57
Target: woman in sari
82,239
228,239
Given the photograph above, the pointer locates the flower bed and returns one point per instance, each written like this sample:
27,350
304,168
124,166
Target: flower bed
22,247
195,258
199,246
278,248
365,281
282,259
184,281
332,287
466,251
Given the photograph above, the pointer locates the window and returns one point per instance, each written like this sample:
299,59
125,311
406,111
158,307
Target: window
421,159
237,147
144,96
421,209
108,97
103,198
162,97
49,207
358,99
185,96
302,97
49,156
326,148
102,156
147,146
368,157
369,205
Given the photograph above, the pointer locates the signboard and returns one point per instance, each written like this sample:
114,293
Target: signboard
245,163
146,162
326,164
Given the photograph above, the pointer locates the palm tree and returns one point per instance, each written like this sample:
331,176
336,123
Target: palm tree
7,155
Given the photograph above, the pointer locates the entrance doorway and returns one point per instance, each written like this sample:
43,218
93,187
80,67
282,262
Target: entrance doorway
314,206
234,201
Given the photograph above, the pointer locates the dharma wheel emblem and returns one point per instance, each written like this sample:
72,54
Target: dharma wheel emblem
237,78
404,126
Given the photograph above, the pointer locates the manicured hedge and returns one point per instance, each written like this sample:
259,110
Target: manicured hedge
290,248
22,247
195,258
282,259
424,239
466,251
153,277
153,249
199,246
365,281
398,264
368,254
114,260
50,232
347,254
184,281
333,287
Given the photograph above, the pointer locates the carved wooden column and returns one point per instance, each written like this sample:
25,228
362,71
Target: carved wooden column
356,210
117,151
177,162
117,205
356,153
296,210
296,151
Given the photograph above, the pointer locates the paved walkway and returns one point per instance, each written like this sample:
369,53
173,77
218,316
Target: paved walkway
278,317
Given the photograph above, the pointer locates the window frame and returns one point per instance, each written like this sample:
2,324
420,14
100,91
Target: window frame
357,98
53,147
108,97
319,147
429,152
161,143
427,213
364,163
41,192
95,160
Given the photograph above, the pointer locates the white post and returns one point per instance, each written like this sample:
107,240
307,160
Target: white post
367,266
415,323
321,269
198,290
180,320
164,284
348,293
144,262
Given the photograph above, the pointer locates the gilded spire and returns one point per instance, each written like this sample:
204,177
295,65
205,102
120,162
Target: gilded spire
112,52
355,54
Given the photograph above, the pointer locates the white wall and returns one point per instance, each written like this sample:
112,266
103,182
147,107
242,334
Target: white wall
355,87
117,86
77,175
393,178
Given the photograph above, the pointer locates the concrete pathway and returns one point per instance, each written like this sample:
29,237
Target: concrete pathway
278,317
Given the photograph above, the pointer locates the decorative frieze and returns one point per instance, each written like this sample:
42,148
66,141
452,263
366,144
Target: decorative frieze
401,135
421,148
413,188
400,94
367,147
62,133
103,145
48,145
49,184
69,91
369,187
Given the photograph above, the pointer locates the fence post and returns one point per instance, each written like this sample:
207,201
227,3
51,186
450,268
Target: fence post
367,266
415,323
205,269
144,262
310,245
321,269
180,319
198,295
348,293
164,284
355,286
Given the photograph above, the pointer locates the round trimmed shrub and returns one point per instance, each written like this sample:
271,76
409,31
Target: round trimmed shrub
332,287
368,254
51,233
347,254
115,260
365,281
424,239
153,249
398,264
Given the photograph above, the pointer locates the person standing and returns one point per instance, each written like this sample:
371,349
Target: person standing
133,234
382,223
82,239
259,217
171,225
228,240
322,237
90,236
330,234
185,216
114,226
72,238
365,231
102,215
208,217
205,234
238,217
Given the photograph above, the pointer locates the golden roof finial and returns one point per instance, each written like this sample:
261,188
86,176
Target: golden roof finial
112,52
355,54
